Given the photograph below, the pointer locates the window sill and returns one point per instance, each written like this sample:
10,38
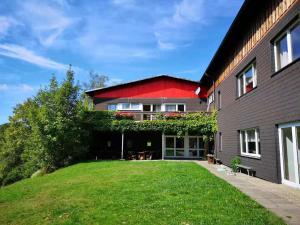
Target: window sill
246,93
285,67
251,156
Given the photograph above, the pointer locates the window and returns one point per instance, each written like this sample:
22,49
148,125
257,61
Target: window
196,147
112,107
156,108
125,106
211,98
180,108
247,80
219,100
174,146
220,142
170,108
250,143
135,106
287,46
146,108
175,107
129,106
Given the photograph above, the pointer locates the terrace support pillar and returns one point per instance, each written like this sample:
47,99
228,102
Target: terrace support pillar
163,146
122,146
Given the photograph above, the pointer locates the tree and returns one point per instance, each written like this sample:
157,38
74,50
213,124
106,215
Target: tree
59,123
96,81
45,132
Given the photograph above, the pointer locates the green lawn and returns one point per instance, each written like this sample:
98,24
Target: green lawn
130,193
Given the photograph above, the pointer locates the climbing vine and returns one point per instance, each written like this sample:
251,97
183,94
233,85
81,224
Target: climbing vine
200,123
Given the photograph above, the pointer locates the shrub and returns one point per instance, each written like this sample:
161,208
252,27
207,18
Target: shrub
173,115
124,116
234,162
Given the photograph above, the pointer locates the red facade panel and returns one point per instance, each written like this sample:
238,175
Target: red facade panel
153,88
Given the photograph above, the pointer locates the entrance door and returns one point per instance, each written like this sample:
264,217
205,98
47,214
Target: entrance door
289,141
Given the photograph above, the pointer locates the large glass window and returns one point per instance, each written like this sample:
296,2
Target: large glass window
180,107
287,47
295,35
146,108
112,107
130,106
247,80
170,108
289,140
156,108
174,147
170,146
125,106
196,147
135,106
174,107
249,142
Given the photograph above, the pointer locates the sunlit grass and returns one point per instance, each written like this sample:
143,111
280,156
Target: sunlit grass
122,192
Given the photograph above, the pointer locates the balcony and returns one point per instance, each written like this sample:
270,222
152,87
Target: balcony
145,115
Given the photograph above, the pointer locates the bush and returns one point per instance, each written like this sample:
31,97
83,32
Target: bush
12,176
234,162
124,116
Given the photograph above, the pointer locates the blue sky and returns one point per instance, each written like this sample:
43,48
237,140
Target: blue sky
123,39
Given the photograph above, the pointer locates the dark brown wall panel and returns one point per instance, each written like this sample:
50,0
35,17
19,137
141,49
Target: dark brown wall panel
276,100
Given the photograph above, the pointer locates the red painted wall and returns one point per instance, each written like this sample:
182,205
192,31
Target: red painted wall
154,88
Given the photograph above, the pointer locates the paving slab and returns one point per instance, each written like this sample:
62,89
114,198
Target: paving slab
283,200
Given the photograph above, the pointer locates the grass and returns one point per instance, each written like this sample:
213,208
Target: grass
116,192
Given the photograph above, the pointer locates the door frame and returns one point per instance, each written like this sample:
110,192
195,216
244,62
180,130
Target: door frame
293,126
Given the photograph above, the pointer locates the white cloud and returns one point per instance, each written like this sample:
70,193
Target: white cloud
188,18
5,24
19,52
3,87
18,88
48,22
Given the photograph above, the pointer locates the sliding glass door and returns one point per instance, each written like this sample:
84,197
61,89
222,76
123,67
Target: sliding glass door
289,140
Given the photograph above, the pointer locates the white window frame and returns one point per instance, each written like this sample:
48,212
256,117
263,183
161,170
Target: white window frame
211,98
120,106
293,126
286,33
174,148
198,149
257,140
242,76
163,107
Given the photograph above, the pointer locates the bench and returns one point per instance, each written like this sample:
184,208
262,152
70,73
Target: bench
248,168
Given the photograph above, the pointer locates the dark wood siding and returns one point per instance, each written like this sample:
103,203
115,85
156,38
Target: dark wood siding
276,100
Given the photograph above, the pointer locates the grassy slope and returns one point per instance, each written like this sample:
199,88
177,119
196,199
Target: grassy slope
129,193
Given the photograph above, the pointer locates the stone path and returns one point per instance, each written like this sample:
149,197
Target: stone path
278,198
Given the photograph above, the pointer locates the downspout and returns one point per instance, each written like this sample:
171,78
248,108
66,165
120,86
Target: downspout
122,146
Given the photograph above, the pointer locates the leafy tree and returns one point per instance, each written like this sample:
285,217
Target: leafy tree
59,122
45,132
16,138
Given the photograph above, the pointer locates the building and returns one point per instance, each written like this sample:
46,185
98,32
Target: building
144,100
253,81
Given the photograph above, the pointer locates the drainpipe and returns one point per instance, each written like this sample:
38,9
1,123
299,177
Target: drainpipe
163,146
122,146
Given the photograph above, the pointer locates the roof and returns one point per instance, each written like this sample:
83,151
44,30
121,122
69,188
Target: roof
142,80
238,28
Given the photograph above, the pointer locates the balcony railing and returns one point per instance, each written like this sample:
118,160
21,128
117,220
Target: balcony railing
145,115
